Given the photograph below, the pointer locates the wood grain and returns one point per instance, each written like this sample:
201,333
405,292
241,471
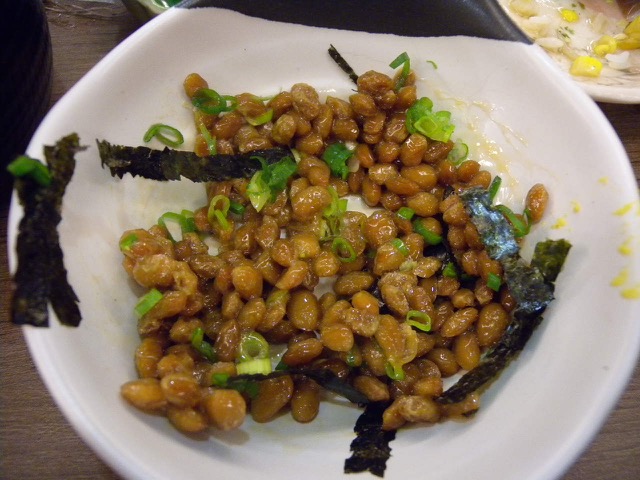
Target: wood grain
36,442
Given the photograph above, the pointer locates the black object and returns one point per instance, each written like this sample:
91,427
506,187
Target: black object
414,18
25,78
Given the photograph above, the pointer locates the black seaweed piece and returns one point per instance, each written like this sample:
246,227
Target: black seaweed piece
323,376
549,256
495,230
343,64
511,343
169,164
41,277
370,448
531,288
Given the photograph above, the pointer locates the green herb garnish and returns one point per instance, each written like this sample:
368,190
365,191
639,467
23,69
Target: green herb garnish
435,125
336,156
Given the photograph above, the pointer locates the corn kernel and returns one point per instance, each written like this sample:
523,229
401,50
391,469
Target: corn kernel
586,67
569,15
632,42
605,45
633,27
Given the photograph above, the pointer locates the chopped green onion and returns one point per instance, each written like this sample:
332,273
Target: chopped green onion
351,358
339,246
450,270
430,237
202,346
147,302
219,379
211,102
24,166
433,64
212,144
494,281
334,212
258,191
186,224
252,346
271,180
281,366
261,119
394,371
256,366
419,320
160,131
520,227
336,156
494,186
401,246
127,242
406,213
219,214
458,153
434,125
402,59
237,208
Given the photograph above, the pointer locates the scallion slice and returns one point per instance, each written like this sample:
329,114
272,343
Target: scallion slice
404,61
127,242
24,166
219,214
261,119
458,153
344,250
430,237
521,226
168,135
401,246
494,186
147,302
450,270
405,213
186,224
202,346
255,366
419,320
237,208
252,346
336,156
494,281
211,102
394,371
212,144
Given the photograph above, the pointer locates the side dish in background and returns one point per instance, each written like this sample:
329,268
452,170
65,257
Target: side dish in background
597,42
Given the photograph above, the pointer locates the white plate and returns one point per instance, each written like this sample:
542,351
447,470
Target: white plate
521,117
564,40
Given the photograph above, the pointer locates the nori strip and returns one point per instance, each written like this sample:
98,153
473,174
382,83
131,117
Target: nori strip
169,164
370,448
41,277
548,257
343,64
531,287
323,376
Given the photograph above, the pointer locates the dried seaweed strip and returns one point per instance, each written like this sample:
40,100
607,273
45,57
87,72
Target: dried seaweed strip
343,64
495,230
371,447
549,257
41,277
531,287
169,164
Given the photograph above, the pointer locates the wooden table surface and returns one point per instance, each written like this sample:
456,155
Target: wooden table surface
36,442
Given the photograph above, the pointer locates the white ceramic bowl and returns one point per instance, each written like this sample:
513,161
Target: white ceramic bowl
521,118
